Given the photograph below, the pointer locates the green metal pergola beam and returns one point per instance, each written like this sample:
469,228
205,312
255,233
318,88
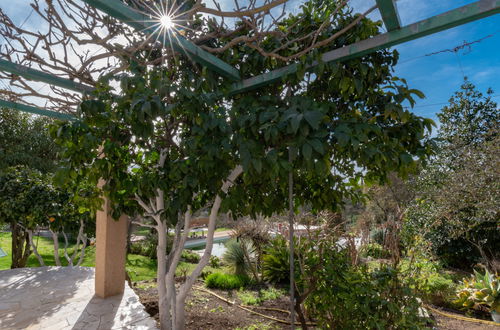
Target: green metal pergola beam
389,14
143,23
477,10
37,111
474,11
37,75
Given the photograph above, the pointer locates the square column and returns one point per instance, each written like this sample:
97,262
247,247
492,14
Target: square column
111,249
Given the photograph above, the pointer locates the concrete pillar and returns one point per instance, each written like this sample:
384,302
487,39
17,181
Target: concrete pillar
111,245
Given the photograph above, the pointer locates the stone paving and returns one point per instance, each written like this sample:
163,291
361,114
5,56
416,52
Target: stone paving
63,298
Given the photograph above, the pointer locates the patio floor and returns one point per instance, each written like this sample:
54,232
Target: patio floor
63,298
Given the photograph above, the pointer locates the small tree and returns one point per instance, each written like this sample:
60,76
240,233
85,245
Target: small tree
29,201
456,206
174,140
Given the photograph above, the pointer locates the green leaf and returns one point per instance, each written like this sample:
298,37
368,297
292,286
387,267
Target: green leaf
306,151
406,158
146,108
295,122
257,164
316,144
313,118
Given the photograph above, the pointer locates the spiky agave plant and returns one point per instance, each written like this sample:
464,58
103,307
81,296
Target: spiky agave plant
239,256
480,289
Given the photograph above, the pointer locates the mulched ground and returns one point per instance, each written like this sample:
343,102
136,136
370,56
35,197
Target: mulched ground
448,323
205,311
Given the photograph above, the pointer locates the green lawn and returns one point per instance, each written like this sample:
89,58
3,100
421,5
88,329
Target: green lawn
222,229
138,267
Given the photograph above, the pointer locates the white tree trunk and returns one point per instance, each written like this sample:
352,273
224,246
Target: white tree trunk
66,248
163,303
171,305
82,251
187,285
55,238
34,247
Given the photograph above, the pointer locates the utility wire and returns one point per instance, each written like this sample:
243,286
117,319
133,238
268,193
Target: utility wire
444,103
455,49
27,18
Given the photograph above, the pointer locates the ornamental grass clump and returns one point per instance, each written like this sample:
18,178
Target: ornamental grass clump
224,281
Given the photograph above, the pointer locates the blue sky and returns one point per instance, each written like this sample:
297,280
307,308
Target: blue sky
438,76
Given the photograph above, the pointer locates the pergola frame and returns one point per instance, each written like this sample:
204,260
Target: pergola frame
395,35
111,234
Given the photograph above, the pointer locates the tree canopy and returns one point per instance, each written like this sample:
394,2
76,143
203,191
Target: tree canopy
456,207
26,141
175,139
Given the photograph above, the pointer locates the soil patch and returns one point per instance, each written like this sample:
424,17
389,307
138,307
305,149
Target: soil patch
205,311
450,323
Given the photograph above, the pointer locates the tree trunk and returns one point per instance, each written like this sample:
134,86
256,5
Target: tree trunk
163,303
35,250
130,227
82,251
55,238
20,246
184,289
66,248
300,315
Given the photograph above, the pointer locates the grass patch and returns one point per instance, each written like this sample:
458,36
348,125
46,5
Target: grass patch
260,326
139,268
222,229
45,247
270,294
252,298
248,298
225,281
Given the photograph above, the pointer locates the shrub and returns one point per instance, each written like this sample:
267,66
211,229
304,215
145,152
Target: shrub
251,298
237,255
215,262
147,246
429,280
205,273
226,281
377,235
350,297
375,250
276,262
191,257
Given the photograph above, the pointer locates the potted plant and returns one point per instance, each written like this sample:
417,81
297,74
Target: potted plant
481,289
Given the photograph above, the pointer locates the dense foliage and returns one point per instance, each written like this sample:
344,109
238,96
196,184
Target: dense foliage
456,208
29,201
26,141
338,293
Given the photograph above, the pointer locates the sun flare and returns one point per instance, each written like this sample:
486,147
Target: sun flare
166,22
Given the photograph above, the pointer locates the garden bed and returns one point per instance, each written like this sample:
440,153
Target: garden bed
206,311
